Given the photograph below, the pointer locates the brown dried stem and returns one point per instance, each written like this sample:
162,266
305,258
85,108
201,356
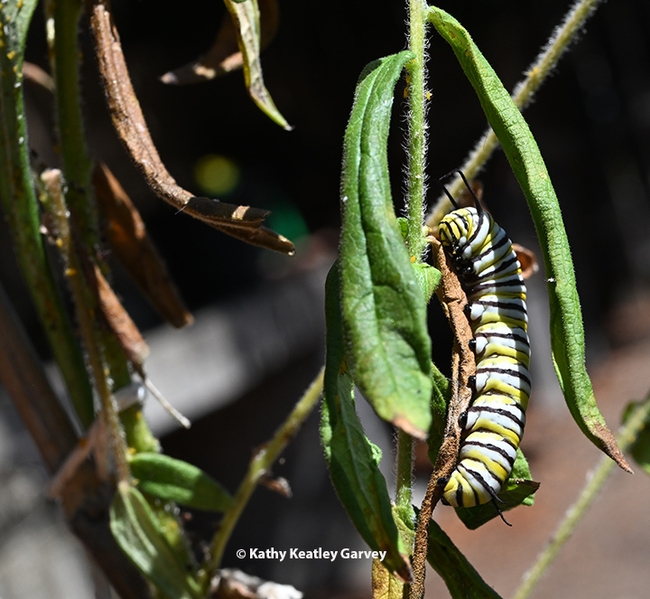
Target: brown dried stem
242,222
453,300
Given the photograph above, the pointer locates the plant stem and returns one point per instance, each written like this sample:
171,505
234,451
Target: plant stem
63,18
417,128
559,41
258,468
415,235
20,206
627,435
86,309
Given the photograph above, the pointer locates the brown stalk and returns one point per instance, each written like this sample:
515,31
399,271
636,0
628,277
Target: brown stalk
85,497
453,300
242,222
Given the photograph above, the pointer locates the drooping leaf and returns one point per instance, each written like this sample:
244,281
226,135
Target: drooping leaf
224,56
128,238
384,309
352,459
174,480
517,490
567,332
137,532
246,16
462,580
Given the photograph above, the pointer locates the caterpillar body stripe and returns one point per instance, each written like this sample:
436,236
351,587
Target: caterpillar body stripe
490,273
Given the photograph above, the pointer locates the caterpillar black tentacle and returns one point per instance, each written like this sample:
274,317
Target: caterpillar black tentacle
490,273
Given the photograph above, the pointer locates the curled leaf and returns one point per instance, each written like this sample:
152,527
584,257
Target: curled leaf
119,321
246,16
384,309
242,222
128,238
567,332
224,55
351,458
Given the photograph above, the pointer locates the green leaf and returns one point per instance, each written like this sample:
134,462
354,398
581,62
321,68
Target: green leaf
567,333
439,401
15,17
384,310
246,16
428,278
137,532
175,480
462,580
352,459
517,490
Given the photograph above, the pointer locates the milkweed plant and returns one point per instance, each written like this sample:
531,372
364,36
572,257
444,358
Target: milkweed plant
377,294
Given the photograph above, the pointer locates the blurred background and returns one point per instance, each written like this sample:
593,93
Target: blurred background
258,339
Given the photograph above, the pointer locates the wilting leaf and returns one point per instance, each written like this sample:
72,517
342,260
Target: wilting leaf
128,238
352,459
224,55
384,309
137,532
246,16
567,332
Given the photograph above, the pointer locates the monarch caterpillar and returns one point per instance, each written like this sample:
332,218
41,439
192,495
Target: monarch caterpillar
490,273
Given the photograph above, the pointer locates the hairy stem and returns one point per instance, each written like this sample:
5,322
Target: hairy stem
85,308
558,43
258,468
416,70
63,18
627,435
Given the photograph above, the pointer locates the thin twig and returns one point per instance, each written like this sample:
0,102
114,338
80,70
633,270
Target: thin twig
85,309
258,468
627,435
524,91
453,299
242,222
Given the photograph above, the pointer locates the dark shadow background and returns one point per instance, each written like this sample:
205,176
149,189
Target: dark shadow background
591,120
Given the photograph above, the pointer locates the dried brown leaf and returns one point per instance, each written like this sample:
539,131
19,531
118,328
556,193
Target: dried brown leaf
527,259
119,321
242,222
128,238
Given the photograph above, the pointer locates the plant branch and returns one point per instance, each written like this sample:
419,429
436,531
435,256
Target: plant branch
257,469
20,205
65,58
627,435
85,308
242,222
453,300
524,91
416,70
